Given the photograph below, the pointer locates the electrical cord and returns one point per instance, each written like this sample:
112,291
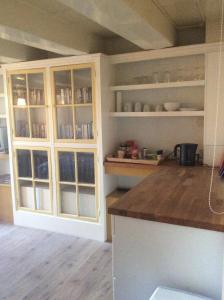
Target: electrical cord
216,121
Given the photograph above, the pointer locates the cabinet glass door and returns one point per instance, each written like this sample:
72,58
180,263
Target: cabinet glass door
19,89
83,97
24,163
68,196
40,161
87,202
67,167
33,180
67,183
64,104
29,105
86,172
73,90
76,183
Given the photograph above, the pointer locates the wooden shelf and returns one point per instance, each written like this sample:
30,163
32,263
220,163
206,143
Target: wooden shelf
3,116
128,169
2,95
159,54
199,113
152,86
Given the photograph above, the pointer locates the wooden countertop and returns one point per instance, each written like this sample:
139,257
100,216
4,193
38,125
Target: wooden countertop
176,195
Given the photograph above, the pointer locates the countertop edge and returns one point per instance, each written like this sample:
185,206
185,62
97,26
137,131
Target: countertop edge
166,220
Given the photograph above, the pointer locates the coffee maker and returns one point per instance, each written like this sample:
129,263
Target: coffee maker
187,154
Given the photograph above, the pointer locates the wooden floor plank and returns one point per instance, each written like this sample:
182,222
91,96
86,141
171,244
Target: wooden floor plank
40,265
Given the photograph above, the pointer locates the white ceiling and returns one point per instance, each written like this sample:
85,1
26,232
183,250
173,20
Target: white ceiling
181,13
190,12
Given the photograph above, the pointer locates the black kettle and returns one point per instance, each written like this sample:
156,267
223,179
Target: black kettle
187,154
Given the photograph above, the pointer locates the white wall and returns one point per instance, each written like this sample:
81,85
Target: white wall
213,31
214,93
162,133
149,254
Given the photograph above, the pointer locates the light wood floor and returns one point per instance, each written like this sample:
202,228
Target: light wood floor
40,265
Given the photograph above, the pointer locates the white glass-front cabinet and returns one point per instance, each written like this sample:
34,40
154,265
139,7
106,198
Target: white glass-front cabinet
76,183
74,100
29,105
74,114
56,152
33,179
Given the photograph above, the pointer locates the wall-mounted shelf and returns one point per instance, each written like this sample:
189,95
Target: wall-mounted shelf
3,116
199,113
152,86
2,95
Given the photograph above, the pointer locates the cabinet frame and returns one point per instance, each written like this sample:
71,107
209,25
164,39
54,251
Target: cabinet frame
32,179
73,105
45,106
76,184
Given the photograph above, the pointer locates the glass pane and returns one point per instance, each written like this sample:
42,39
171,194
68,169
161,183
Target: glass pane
38,121
24,163
87,202
19,92
21,122
36,89
85,167
84,122
26,194
63,90
40,159
65,122
83,86
43,196
68,199
3,136
67,166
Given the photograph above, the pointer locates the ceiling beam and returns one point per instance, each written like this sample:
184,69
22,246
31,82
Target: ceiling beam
12,52
138,21
22,23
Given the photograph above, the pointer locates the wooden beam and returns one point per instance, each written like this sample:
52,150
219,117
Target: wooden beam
11,52
23,23
138,21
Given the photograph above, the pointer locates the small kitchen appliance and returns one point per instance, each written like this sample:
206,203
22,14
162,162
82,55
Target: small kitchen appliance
187,154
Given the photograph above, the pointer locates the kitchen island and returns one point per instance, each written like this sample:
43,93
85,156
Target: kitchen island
165,234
